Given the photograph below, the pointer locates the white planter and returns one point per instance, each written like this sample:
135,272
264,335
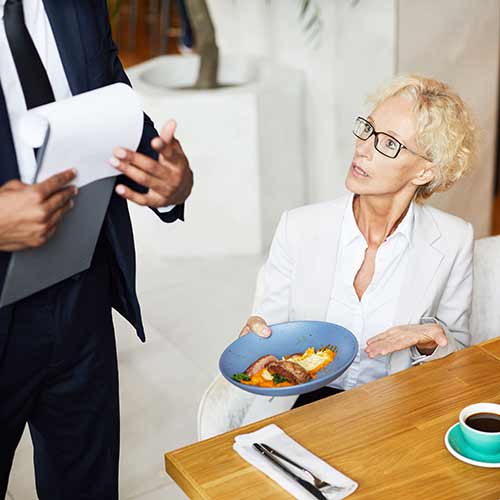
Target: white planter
245,145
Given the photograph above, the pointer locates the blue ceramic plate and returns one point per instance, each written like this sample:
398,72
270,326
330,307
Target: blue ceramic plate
458,447
286,339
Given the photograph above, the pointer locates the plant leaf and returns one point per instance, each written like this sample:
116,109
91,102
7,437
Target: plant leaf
310,13
114,8
305,6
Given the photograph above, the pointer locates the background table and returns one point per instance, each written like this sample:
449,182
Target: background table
387,435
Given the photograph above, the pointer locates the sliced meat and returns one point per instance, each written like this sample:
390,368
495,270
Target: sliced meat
257,366
293,372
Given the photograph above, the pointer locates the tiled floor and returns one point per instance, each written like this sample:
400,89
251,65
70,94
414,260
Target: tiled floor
193,308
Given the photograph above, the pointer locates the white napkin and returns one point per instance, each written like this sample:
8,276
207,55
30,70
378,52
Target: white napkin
273,436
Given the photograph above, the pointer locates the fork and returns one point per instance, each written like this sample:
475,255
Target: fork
323,486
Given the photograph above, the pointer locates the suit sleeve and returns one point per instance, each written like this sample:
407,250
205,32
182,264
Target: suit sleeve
272,296
149,131
455,306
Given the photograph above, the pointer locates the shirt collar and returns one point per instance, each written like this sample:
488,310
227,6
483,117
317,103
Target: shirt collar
351,232
405,227
350,229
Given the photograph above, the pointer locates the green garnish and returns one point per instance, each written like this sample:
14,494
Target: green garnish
241,376
278,379
329,346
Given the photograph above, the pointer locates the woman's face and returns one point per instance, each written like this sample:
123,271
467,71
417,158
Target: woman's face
371,172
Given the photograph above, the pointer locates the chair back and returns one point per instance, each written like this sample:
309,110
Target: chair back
224,407
485,319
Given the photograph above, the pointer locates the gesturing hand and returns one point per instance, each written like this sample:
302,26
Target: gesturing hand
30,213
425,337
169,180
257,325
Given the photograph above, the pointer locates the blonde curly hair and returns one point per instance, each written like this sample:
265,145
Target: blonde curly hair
446,129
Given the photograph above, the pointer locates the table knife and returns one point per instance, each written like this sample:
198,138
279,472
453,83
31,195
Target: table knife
305,484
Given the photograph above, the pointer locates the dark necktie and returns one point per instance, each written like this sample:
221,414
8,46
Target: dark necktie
32,74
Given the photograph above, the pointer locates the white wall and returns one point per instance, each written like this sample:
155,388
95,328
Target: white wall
458,41
354,55
365,42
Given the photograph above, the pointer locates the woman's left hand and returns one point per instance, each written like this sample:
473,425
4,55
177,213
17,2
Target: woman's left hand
425,337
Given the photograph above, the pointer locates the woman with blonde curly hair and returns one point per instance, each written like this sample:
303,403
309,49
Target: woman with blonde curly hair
394,271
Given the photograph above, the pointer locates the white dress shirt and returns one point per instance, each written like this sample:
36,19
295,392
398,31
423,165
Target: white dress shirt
376,310
40,30
43,38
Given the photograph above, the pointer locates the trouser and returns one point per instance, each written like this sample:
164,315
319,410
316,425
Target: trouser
311,397
59,375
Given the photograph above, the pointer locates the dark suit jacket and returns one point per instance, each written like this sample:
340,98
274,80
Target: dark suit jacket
90,59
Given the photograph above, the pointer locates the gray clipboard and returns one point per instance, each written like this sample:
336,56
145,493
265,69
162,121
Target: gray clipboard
68,252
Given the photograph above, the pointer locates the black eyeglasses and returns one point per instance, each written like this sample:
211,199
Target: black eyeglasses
384,143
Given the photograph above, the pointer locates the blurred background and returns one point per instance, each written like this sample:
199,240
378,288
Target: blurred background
327,56
274,133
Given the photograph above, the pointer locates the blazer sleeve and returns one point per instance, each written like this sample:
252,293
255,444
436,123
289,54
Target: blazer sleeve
272,296
454,309
149,131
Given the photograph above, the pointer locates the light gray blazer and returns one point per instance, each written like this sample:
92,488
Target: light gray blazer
297,280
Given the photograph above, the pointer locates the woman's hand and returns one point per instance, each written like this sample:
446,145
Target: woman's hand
425,337
257,325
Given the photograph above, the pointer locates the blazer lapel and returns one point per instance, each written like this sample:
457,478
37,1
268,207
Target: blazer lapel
63,18
424,260
423,263
320,271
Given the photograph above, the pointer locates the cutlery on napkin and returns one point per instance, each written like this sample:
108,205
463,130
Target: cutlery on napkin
275,437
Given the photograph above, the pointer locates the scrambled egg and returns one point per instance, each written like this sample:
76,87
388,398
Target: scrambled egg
312,361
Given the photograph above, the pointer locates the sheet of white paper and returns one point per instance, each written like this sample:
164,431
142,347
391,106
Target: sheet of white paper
84,130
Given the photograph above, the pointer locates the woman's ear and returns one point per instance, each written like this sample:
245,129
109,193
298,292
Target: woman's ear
426,175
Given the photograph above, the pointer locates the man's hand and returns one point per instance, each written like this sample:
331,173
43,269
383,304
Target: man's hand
169,180
30,213
425,337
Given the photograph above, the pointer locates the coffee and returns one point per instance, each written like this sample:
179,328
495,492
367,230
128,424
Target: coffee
485,422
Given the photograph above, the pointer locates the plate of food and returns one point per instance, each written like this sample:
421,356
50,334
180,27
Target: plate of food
299,357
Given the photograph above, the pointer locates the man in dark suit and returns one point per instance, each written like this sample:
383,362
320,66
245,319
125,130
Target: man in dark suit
58,367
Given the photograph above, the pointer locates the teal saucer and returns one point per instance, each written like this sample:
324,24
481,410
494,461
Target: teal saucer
458,447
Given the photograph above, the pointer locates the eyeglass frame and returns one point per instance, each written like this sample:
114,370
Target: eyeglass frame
376,134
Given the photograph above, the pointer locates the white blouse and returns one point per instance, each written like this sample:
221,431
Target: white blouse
376,310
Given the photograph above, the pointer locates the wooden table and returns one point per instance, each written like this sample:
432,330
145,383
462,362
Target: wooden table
387,435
